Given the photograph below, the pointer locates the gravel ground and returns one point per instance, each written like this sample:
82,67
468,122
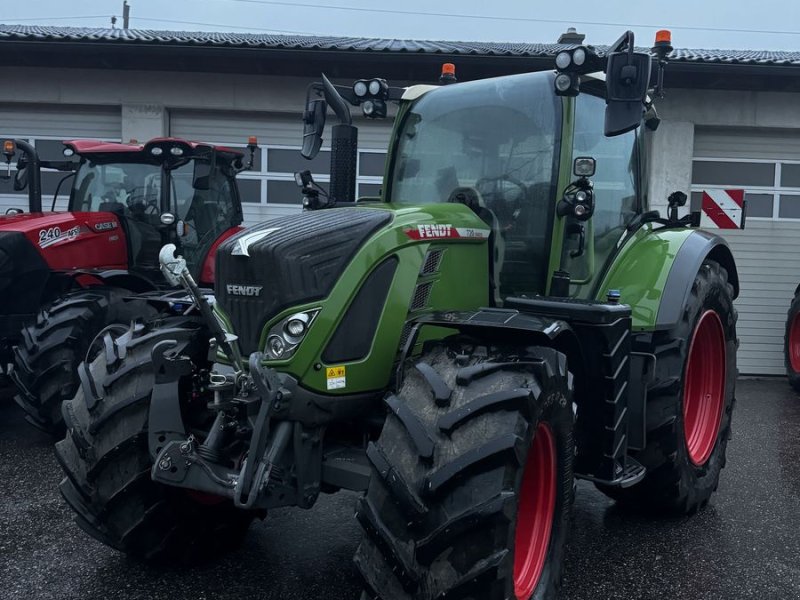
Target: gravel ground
745,545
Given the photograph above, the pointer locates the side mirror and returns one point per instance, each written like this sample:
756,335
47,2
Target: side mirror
627,80
313,126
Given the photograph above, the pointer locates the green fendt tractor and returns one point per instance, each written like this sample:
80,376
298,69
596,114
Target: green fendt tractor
507,317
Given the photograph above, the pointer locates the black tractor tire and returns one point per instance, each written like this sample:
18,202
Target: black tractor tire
51,348
792,344
675,483
440,514
107,463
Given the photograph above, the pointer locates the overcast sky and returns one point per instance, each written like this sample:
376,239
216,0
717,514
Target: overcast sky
728,24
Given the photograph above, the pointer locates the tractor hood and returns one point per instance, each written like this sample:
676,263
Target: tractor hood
67,241
287,261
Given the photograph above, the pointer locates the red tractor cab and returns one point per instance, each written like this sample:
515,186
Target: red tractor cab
125,202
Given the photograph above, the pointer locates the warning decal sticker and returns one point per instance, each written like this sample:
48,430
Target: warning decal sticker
336,377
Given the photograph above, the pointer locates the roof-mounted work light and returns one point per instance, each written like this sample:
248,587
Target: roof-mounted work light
571,64
372,95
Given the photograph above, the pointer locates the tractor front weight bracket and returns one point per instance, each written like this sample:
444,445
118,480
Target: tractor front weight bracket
201,465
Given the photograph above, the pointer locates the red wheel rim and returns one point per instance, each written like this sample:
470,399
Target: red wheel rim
794,343
537,501
704,389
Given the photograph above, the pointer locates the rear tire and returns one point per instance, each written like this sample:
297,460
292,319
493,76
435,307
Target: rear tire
442,514
107,462
690,404
52,347
792,344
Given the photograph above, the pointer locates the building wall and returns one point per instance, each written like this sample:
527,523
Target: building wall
682,110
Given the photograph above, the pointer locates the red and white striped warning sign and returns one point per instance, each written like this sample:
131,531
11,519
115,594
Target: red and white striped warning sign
722,209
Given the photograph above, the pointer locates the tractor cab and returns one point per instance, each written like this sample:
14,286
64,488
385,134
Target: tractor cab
167,190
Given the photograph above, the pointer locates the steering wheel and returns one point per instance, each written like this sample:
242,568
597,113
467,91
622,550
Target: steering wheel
505,201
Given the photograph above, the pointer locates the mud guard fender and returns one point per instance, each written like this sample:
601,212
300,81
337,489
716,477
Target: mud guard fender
121,278
502,325
698,247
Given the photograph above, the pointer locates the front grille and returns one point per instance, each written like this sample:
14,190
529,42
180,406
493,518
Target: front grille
421,295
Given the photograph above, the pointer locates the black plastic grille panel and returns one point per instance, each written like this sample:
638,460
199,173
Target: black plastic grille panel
298,259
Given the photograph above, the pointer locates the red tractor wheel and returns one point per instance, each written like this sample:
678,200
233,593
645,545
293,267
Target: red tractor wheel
704,388
792,344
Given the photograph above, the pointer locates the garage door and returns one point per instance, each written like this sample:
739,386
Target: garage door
45,127
269,189
766,164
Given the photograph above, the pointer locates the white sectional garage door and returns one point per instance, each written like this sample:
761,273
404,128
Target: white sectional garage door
766,164
45,127
269,189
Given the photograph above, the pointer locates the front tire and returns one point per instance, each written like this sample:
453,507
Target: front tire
51,348
472,484
107,463
792,344
690,404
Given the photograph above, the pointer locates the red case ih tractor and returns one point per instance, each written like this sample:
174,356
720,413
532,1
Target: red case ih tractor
66,276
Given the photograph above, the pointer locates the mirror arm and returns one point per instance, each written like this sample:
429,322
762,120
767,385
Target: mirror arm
336,102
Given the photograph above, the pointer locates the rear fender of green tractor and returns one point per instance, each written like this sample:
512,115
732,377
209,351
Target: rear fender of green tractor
654,272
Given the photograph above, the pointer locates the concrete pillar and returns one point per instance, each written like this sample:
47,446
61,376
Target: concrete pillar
671,148
143,122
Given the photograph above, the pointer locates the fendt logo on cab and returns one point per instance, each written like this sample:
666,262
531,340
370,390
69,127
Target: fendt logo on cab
434,231
244,290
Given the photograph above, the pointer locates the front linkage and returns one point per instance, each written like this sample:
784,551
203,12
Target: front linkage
249,405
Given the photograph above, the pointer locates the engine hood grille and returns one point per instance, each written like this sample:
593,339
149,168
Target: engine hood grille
290,260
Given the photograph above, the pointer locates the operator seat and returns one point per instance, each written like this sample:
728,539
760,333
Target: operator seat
472,198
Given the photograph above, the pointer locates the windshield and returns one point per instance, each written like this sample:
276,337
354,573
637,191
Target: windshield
477,134
132,190
496,143
113,187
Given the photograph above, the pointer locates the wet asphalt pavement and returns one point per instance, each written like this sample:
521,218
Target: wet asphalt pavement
745,545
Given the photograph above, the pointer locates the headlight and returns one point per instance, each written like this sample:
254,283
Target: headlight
285,336
360,89
276,346
156,151
375,87
176,151
579,56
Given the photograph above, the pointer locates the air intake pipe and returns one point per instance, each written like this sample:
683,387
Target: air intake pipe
344,148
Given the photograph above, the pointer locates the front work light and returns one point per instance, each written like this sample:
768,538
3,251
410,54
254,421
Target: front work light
176,151
156,151
563,60
567,84
376,87
360,88
374,109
